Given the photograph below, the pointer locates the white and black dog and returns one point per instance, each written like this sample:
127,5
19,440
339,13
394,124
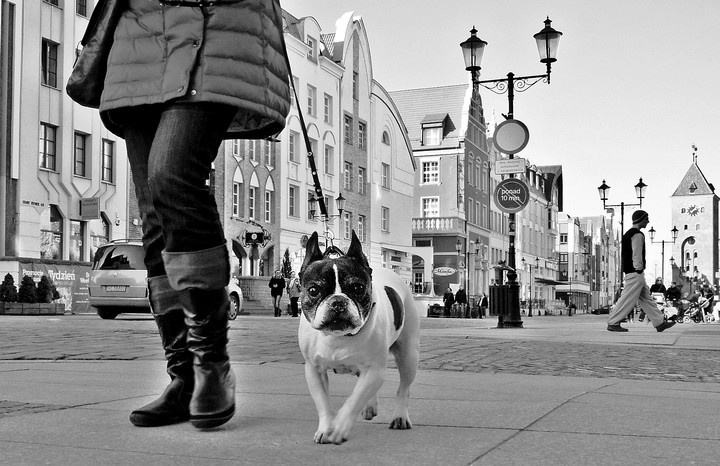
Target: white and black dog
353,317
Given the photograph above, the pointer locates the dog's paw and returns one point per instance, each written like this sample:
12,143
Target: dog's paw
323,436
370,410
401,423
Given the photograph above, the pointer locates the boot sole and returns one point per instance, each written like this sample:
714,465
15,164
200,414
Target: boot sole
145,420
208,421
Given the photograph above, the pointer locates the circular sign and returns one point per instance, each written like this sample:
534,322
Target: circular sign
512,195
511,136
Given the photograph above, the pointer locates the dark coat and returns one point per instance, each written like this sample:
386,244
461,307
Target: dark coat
228,54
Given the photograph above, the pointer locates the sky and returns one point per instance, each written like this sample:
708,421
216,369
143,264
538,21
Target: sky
634,87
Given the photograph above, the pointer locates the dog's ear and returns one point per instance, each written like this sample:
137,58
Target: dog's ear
355,251
312,252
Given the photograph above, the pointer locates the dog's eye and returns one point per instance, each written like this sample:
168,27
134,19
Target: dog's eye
358,288
313,291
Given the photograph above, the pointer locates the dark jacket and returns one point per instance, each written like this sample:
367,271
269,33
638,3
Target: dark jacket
461,297
448,298
229,54
277,285
627,253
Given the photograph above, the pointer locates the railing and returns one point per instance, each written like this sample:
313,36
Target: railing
447,224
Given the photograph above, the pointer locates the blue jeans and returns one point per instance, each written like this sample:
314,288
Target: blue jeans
171,148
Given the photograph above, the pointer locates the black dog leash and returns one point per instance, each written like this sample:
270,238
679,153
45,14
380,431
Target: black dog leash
198,3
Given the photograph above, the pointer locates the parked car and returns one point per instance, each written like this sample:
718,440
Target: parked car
118,281
602,310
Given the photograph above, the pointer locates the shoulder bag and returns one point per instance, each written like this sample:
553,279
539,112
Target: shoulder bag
86,82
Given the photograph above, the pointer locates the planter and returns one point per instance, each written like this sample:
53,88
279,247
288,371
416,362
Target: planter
32,309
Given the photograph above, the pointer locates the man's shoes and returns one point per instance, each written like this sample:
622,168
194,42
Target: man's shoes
664,326
619,328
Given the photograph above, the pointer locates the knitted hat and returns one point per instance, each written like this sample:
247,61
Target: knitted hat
639,215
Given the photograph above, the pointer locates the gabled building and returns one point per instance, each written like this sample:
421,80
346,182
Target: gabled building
451,212
694,207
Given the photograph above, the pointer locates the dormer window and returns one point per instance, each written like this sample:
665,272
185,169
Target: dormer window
693,187
433,129
312,53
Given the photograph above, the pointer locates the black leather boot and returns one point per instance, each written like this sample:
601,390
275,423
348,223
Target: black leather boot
206,317
173,406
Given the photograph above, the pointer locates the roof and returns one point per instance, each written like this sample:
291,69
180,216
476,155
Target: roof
694,178
553,173
418,106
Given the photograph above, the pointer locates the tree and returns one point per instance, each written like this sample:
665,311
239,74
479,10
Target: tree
28,290
286,264
8,290
46,290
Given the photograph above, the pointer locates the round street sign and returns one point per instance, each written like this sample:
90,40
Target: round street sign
511,136
512,195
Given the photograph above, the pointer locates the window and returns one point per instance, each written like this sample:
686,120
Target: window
347,176
430,206
347,225
51,228
236,199
80,154
292,201
293,139
252,199
356,85
311,99
48,146
362,136
432,136
361,228
385,219
268,206
312,43
431,172
328,109
81,7
361,180
385,176
52,2
235,147
310,216
295,85
251,151
386,138
348,129
329,159
563,238
268,154
108,159
77,234
49,63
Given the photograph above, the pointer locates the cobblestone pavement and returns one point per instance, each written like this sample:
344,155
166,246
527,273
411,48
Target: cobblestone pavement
258,340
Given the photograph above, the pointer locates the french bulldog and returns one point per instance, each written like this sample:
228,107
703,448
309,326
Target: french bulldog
352,318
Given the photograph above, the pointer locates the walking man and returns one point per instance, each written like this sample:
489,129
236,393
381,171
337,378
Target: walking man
636,289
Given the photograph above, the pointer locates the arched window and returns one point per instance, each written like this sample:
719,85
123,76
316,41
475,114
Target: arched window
385,138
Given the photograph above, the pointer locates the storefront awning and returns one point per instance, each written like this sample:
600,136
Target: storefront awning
547,281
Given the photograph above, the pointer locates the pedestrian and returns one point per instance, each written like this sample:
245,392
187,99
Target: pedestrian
461,300
657,287
635,289
277,285
673,293
483,305
294,291
179,81
448,301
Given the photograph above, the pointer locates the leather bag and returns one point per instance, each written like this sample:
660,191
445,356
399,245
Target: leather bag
86,82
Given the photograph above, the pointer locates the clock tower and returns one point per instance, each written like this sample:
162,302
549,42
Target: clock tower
695,213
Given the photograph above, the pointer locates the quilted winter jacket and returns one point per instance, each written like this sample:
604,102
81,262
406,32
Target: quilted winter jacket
231,54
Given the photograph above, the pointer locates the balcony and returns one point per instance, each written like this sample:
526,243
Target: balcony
438,225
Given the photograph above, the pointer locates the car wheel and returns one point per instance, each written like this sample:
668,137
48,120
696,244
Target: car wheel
234,307
106,313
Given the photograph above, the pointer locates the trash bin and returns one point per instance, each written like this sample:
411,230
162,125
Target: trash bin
499,300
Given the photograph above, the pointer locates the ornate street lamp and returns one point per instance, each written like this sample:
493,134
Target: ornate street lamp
339,202
674,233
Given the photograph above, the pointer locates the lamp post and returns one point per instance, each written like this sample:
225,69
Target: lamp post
325,217
466,255
640,188
537,264
674,233
548,41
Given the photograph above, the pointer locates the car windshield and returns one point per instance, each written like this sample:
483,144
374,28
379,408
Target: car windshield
119,257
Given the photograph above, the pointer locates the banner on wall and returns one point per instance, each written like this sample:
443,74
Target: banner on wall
70,280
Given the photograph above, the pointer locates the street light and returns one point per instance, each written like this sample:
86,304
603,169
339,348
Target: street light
537,264
640,188
547,40
674,233
325,217
458,248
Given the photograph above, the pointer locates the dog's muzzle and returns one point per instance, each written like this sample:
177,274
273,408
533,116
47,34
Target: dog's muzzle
338,315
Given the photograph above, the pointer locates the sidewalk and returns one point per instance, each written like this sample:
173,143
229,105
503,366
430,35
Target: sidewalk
76,412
